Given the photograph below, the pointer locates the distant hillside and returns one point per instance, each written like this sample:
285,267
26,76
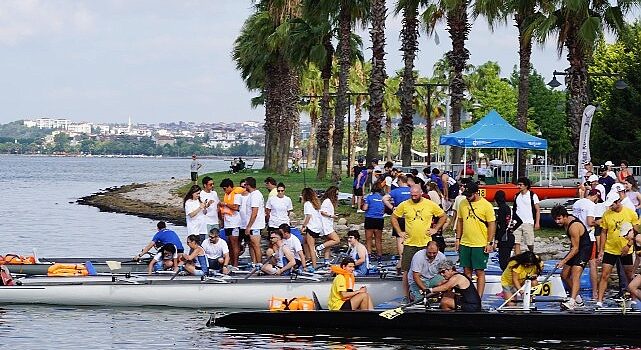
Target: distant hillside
16,130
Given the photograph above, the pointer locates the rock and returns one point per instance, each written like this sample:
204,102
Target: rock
341,228
342,221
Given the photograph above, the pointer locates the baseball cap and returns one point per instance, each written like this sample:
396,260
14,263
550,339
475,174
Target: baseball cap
471,188
593,177
618,187
360,160
612,197
594,192
609,163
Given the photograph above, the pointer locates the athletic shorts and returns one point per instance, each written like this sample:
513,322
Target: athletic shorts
194,176
429,283
582,257
524,234
214,264
509,289
232,231
401,224
312,233
347,306
473,257
408,254
374,223
254,232
358,191
611,259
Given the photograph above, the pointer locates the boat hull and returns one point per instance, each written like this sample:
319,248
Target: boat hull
511,190
436,323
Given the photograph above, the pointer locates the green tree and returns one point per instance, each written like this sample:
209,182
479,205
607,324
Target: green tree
377,78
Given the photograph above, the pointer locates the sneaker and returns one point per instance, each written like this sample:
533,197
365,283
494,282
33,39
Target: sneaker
318,253
579,301
360,211
311,269
599,304
568,305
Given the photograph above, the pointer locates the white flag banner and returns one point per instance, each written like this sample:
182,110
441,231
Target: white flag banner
584,136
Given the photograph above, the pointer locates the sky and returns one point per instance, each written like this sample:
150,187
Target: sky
169,60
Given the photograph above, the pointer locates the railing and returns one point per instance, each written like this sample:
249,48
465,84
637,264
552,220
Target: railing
503,173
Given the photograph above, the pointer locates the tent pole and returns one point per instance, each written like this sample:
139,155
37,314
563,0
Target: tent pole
516,160
465,162
546,168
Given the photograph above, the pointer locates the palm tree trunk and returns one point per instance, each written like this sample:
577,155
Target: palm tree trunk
323,137
345,31
525,52
388,135
272,112
577,84
377,80
459,28
313,118
356,128
409,38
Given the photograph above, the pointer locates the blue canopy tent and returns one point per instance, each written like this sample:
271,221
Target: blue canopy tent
492,131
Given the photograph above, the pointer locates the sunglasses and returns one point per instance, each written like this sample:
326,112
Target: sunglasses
280,191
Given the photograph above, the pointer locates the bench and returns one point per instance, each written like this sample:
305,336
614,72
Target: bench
247,168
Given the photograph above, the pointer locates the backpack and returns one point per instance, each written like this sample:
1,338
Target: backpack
518,220
453,191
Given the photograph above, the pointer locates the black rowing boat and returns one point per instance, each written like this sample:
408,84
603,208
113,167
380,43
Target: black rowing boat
592,324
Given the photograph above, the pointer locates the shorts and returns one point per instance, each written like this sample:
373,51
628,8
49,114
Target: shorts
254,232
473,257
509,289
358,191
401,224
234,231
374,223
524,234
408,254
429,283
611,259
312,233
194,176
214,264
347,306
582,256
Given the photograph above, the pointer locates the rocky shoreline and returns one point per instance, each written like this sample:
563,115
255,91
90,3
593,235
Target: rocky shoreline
160,201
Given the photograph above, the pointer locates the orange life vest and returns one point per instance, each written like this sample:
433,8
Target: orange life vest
17,259
67,270
349,277
228,198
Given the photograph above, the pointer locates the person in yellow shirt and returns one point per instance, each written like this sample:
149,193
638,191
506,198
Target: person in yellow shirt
475,229
342,295
616,240
526,265
418,213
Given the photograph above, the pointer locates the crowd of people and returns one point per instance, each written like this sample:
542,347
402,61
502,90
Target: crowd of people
421,208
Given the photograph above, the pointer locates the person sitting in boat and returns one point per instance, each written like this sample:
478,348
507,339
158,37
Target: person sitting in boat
358,252
162,237
165,259
459,291
282,260
294,242
196,261
342,295
216,251
520,268
424,270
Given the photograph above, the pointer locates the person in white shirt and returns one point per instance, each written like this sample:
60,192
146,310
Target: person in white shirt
194,167
278,208
229,209
195,210
282,260
256,221
217,252
312,226
610,172
530,217
327,211
584,210
358,252
210,197
292,242
625,201
595,185
424,270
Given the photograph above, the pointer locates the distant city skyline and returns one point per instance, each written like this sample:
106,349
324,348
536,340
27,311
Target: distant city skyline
164,61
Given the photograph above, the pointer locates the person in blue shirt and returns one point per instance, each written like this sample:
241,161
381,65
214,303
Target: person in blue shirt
392,200
374,211
162,237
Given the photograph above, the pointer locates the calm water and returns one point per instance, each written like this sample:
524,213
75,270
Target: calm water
38,210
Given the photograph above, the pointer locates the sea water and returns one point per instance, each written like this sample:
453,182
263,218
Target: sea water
38,210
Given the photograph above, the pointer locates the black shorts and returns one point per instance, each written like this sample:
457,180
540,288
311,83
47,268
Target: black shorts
347,306
214,264
194,176
374,223
357,191
180,251
582,256
401,224
312,233
611,259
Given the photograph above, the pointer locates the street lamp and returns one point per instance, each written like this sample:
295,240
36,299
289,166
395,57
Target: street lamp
428,121
619,84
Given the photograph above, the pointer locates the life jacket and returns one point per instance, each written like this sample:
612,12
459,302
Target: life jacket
67,270
302,303
229,199
349,277
5,277
17,259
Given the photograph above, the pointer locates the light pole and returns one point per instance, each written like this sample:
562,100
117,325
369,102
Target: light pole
619,84
428,119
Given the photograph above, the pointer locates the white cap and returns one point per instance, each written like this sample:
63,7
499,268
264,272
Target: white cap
593,177
617,187
609,163
612,197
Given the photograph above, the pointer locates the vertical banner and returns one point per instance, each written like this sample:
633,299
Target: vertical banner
584,136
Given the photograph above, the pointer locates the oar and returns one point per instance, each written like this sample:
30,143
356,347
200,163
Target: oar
537,289
393,313
258,266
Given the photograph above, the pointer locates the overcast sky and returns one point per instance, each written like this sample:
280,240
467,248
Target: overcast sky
166,60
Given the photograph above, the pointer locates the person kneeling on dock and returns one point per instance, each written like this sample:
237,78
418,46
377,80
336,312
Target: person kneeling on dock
282,260
520,268
342,295
216,251
196,261
460,292
424,270
165,259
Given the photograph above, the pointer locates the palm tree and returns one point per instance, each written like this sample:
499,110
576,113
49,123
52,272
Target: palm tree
377,78
409,46
577,25
312,84
358,82
454,12
392,107
524,12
